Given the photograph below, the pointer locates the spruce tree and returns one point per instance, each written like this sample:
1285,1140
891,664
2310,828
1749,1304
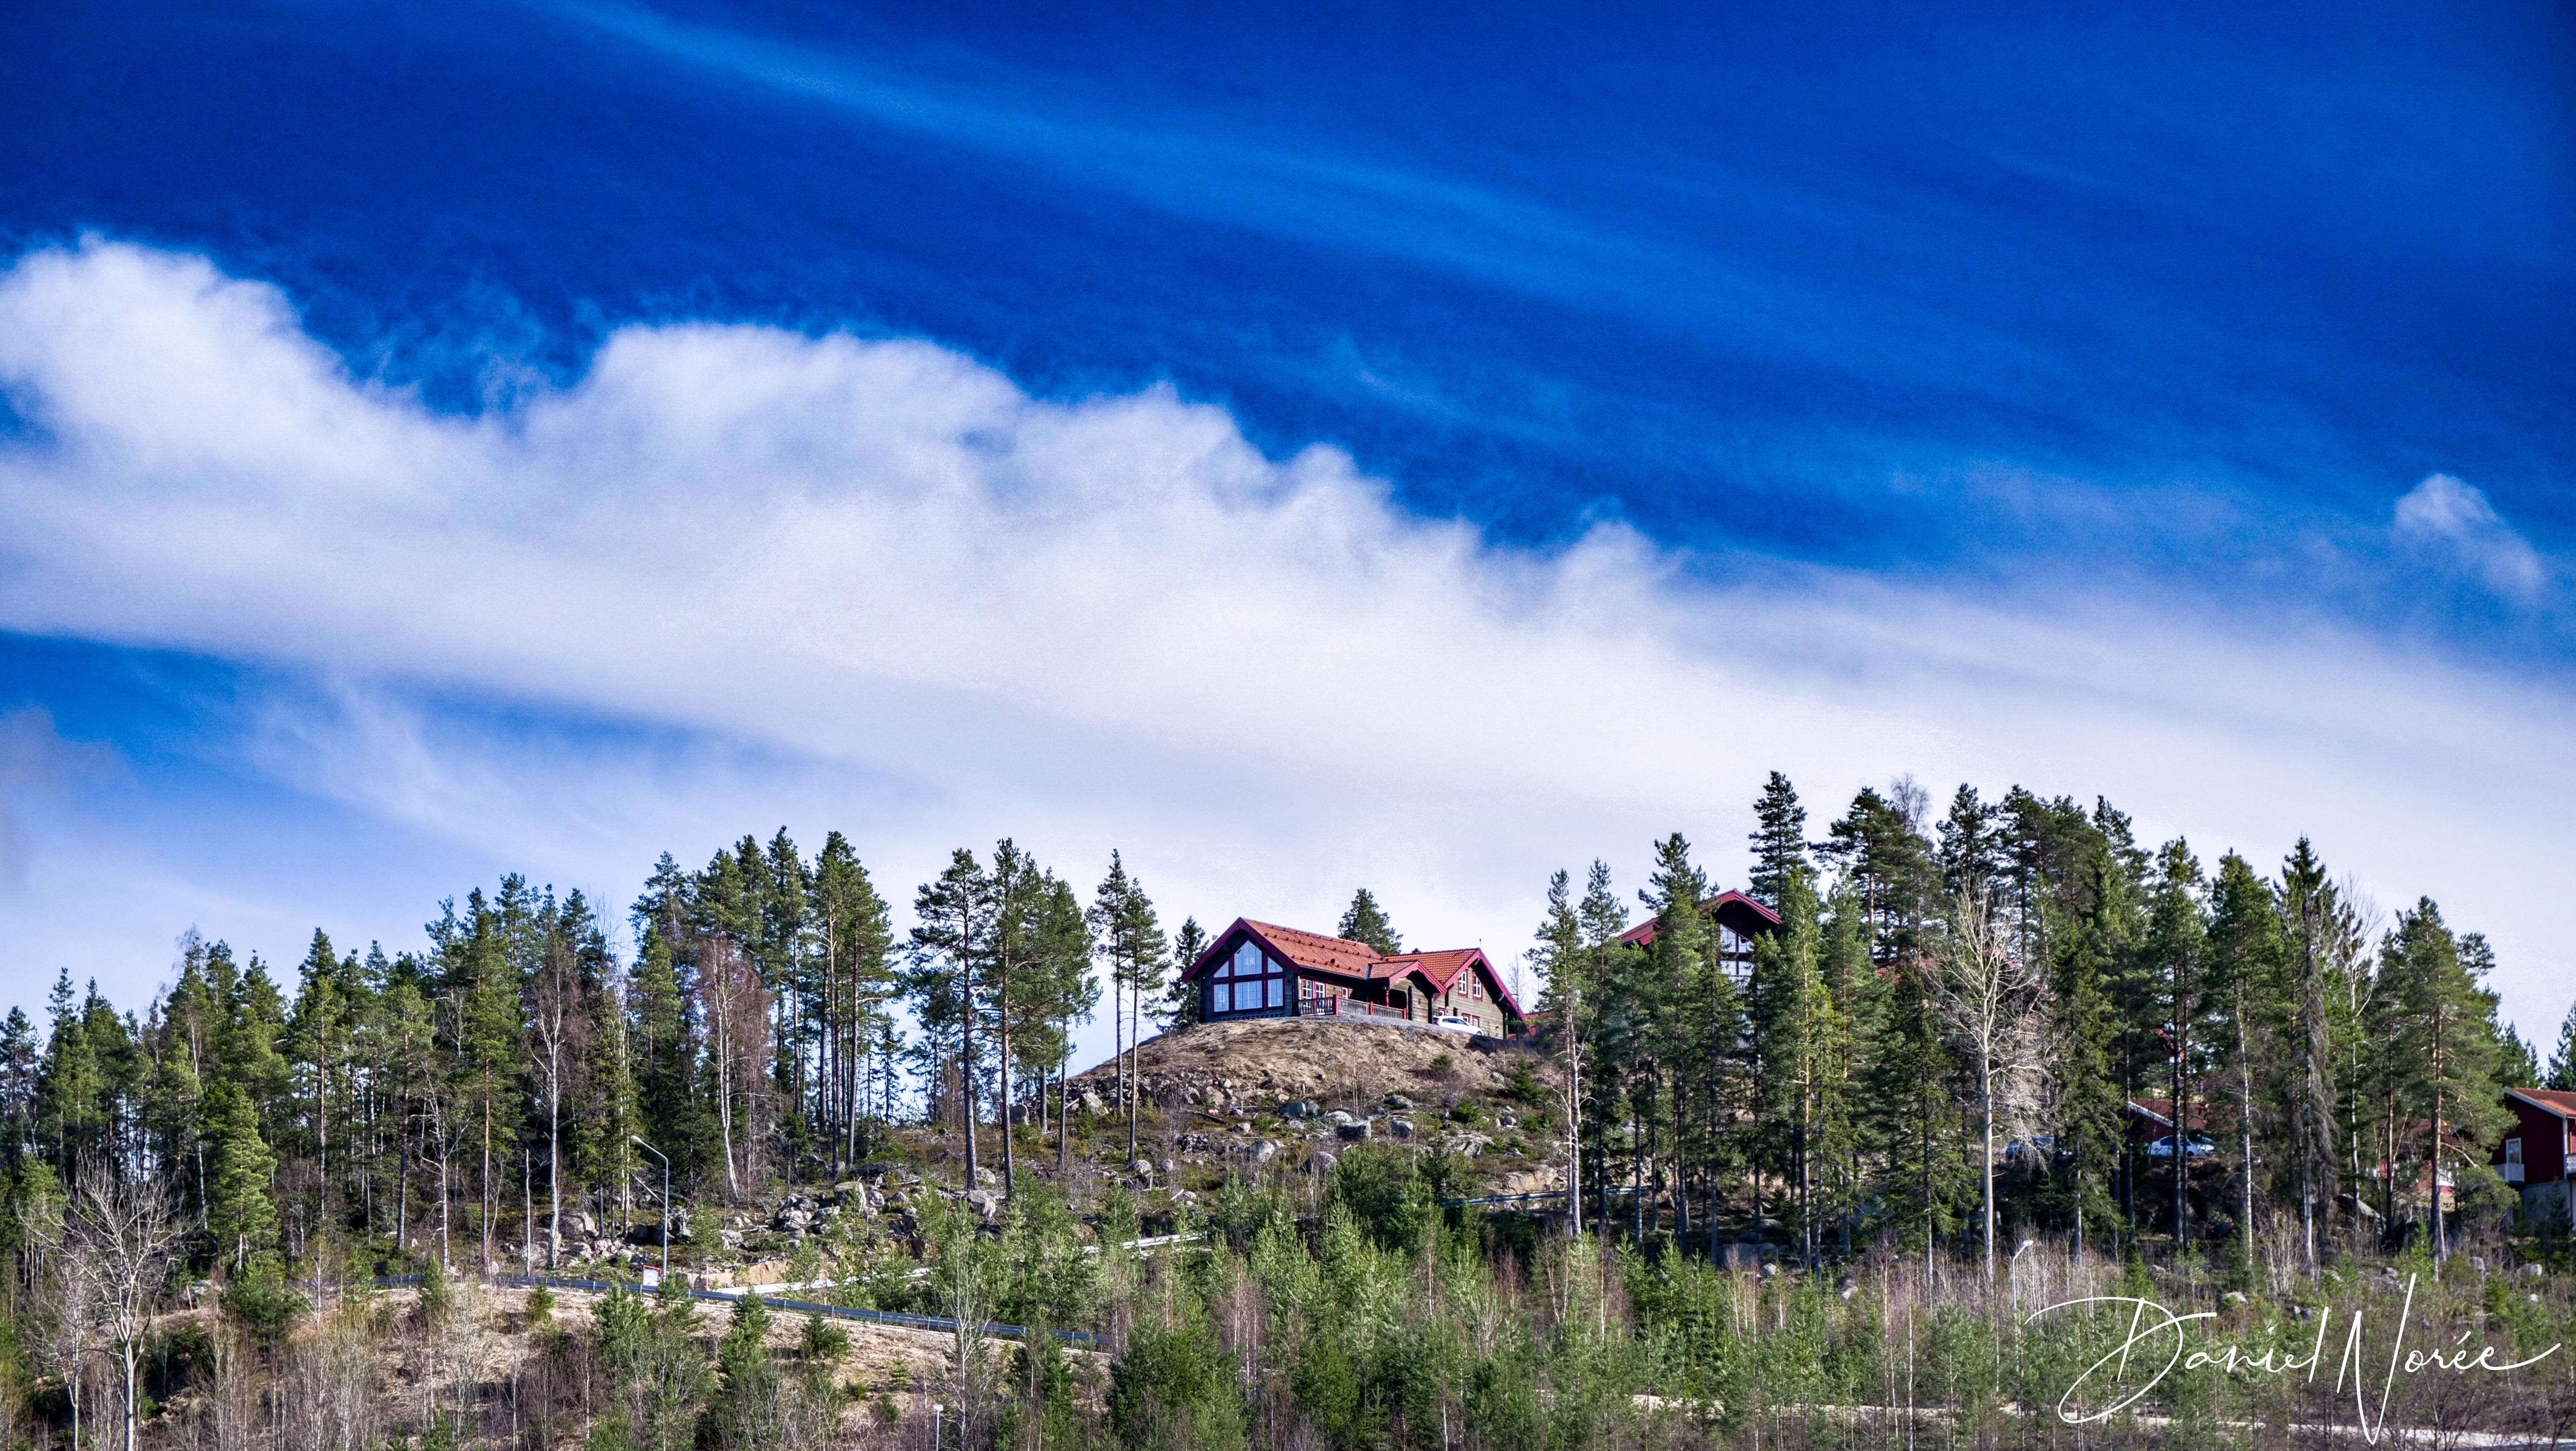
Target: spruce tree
18,1062
2562,1058
240,1213
2249,973
1779,841
1794,1043
1560,960
2320,940
1181,1004
2176,952
1971,853
2446,1046
1365,922
1851,1013
2089,1113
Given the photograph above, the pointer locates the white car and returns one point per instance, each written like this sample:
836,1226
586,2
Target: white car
2196,1145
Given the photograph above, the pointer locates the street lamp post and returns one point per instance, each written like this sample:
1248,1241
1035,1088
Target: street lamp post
666,1204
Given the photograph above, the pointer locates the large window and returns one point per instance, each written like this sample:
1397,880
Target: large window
1247,982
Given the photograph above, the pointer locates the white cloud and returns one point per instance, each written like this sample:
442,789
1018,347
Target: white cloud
912,602
2446,516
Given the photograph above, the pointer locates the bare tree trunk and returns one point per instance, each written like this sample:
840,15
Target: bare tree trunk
1986,1161
1010,1164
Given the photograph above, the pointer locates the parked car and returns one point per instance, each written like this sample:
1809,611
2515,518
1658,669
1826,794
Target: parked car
2196,1145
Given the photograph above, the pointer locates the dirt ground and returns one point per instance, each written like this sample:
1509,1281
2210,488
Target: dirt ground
1260,1062
877,1352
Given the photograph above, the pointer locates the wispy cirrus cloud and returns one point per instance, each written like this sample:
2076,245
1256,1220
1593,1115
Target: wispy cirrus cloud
2453,521
917,592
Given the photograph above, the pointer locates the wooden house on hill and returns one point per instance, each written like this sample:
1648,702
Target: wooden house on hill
1262,970
2537,1156
1739,920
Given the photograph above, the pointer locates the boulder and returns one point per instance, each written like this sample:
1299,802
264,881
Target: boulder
986,1203
1319,1162
986,1176
1352,1132
1397,1100
1143,1168
1337,1118
1264,1152
1401,1128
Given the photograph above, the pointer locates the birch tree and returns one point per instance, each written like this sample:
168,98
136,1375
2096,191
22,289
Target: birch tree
1988,998
118,1247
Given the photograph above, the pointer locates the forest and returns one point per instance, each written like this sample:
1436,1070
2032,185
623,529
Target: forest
1807,1196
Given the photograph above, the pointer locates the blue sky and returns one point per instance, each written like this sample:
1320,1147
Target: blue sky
1421,446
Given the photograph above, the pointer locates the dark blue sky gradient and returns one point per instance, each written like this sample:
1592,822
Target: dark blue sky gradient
1728,279
2033,305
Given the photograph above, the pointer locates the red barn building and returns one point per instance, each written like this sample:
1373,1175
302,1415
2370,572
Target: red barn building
1261,970
2538,1154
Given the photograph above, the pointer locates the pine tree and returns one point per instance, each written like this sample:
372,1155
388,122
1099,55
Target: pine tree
318,1030
1130,941
1063,994
854,934
1012,975
1876,848
957,915
794,980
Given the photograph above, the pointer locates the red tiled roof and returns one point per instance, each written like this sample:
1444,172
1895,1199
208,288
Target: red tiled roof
1438,968
2557,1101
1310,950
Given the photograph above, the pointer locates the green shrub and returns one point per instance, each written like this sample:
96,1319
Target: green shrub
261,1305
